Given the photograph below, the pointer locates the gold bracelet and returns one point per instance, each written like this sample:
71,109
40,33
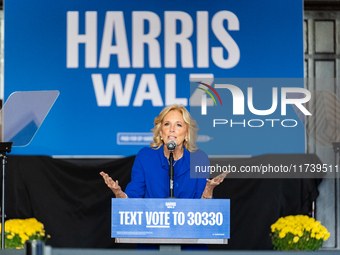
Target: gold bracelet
210,197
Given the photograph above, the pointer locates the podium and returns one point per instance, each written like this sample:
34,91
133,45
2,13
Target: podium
171,221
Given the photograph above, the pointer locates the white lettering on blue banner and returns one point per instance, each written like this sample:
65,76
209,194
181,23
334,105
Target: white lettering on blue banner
169,218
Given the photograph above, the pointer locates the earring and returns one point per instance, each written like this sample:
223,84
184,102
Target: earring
186,139
161,138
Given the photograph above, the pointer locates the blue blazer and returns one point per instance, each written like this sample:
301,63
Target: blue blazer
150,175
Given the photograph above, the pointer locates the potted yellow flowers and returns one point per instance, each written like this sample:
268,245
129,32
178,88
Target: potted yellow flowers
18,231
298,232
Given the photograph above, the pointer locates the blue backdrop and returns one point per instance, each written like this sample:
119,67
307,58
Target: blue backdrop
118,63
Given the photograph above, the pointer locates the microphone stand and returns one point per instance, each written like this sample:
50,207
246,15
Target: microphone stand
171,174
171,188
171,145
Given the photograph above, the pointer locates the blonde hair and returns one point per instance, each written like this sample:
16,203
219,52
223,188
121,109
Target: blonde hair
191,124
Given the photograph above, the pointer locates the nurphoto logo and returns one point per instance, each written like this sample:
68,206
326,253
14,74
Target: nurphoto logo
294,96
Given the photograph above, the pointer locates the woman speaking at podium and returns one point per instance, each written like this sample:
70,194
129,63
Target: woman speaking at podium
150,172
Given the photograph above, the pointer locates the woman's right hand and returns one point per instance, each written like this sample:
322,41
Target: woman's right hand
113,185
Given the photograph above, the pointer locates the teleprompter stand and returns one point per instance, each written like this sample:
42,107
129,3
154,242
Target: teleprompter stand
20,119
4,148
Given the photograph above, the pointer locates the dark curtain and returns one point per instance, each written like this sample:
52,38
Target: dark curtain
73,202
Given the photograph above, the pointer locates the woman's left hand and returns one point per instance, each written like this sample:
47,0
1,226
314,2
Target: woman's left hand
217,180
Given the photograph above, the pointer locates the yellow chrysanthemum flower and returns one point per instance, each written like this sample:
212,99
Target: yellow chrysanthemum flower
326,236
289,230
26,229
282,234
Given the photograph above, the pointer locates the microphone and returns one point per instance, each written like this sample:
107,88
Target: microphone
171,145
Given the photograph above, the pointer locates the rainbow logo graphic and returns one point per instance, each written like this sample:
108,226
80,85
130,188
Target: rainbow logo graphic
204,98
208,86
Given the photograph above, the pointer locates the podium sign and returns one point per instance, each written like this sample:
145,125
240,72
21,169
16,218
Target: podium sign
171,218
